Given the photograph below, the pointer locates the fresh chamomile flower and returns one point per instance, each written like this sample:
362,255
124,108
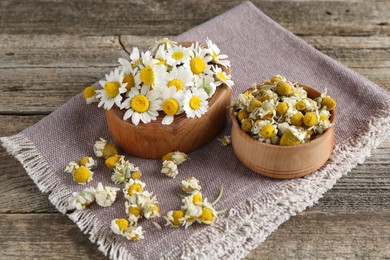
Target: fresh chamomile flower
89,94
225,141
199,59
71,167
103,148
172,104
189,185
105,196
161,55
88,162
207,83
135,57
150,72
119,225
177,55
169,169
215,52
195,103
113,161
113,87
129,74
175,218
179,78
142,105
221,77
150,210
165,42
177,157
133,233
82,175
80,200
209,214
132,187
192,213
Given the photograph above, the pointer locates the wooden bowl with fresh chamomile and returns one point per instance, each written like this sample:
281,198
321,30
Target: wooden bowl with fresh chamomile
283,150
192,124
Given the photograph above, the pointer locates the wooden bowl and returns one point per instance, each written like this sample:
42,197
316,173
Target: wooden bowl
283,162
154,140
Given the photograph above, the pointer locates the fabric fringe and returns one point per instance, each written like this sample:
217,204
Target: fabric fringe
245,227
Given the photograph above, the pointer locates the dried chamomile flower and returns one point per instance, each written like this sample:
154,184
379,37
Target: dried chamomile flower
80,200
71,167
189,185
102,148
208,215
90,95
113,161
150,210
169,169
105,196
119,225
141,198
125,170
134,212
226,140
195,198
88,162
177,157
132,187
175,218
133,233
191,215
82,175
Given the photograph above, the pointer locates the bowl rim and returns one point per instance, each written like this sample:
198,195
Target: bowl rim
314,141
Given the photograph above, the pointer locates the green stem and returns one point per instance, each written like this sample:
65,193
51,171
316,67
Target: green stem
221,211
219,196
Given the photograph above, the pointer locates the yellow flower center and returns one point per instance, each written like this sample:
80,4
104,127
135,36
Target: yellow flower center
221,76
170,106
246,125
214,56
155,208
122,224
329,102
147,75
140,103
112,88
276,79
178,55
301,105
197,198
84,161
310,119
162,61
135,237
109,151
192,218
207,215
177,83
82,174
268,131
288,138
89,92
324,118
136,187
195,102
282,108
264,96
243,114
136,175
177,214
112,161
167,157
297,119
129,79
255,103
135,210
198,65
283,88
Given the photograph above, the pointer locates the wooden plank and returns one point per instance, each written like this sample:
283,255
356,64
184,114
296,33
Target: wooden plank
310,235
44,236
155,17
323,235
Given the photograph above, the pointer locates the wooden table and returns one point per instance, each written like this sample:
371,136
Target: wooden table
50,50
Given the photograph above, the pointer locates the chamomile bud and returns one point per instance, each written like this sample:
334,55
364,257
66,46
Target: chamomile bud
82,175
119,225
102,148
113,161
89,94
174,218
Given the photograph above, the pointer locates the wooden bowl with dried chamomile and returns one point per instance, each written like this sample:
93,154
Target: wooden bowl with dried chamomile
172,97
283,129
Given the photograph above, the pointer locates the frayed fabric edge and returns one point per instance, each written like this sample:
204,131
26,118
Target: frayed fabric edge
245,227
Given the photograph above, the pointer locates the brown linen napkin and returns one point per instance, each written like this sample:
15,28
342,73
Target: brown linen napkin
258,48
